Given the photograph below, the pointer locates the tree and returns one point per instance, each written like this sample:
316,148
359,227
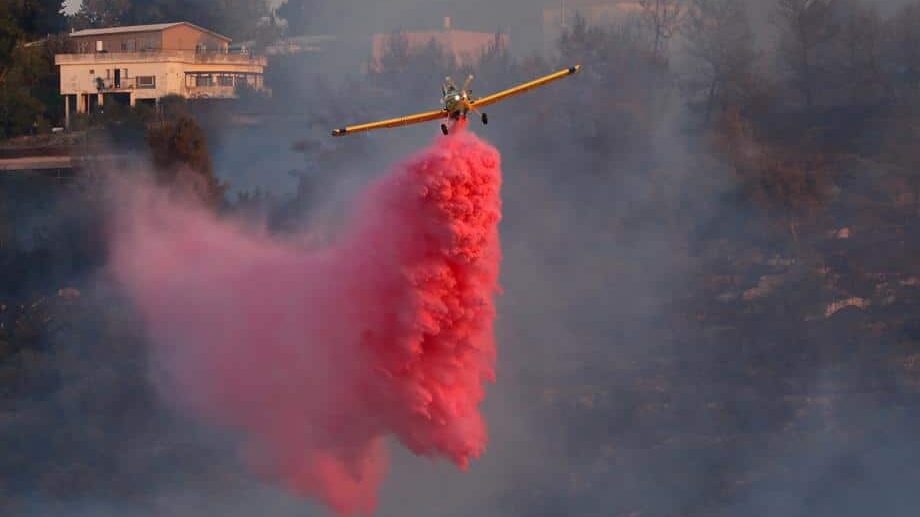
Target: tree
10,34
299,15
807,28
581,43
903,47
861,45
239,19
180,155
719,38
608,110
663,18
18,111
495,66
29,97
407,71
36,18
29,84
105,13
24,20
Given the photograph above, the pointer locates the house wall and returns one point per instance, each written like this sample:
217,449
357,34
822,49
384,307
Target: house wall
185,37
81,78
169,68
129,42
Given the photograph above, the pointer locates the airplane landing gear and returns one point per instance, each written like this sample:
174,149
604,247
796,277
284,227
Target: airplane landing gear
485,118
444,128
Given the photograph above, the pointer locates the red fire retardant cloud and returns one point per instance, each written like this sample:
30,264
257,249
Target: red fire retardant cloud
317,355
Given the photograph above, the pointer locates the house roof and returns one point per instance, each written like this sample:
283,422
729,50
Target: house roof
155,27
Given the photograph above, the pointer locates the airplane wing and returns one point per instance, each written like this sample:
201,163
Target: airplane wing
393,122
497,97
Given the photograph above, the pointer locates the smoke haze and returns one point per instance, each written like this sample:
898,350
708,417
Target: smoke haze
709,305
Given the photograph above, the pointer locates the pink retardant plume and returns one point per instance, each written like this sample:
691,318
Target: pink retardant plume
316,355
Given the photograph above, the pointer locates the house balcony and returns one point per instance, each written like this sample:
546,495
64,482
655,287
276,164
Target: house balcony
125,84
223,91
157,56
214,90
210,92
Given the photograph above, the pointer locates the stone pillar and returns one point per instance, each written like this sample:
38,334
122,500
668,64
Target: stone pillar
67,112
133,101
100,100
81,108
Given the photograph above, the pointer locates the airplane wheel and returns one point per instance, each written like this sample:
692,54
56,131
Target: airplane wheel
444,128
485,118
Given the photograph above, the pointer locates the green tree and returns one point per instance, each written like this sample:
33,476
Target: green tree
105,13
18,111
239,19
36,18
10,34
29,97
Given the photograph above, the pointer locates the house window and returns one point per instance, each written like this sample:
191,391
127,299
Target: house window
146,81
225,80
203,80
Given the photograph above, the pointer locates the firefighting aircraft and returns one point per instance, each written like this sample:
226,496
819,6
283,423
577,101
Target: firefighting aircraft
457,104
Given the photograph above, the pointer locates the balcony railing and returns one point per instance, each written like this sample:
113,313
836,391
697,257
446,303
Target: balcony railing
125,83
211,92
186,56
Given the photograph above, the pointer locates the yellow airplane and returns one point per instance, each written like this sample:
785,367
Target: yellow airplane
457,104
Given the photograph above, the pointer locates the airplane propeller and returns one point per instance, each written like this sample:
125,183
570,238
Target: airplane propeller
468,82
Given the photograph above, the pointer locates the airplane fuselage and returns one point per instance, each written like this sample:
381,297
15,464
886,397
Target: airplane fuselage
457,104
